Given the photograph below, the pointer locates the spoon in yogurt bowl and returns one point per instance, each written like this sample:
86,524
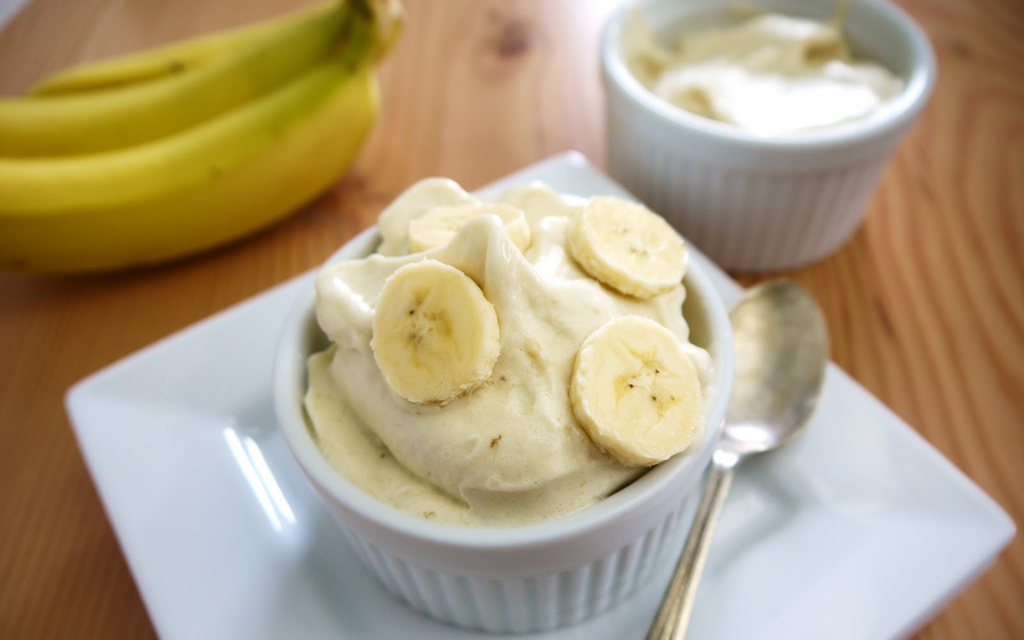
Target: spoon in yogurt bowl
781,352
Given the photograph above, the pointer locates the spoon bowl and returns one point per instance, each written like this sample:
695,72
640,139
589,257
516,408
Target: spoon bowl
781,352
781,347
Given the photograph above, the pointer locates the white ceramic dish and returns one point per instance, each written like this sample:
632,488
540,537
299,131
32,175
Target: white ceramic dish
756,203
859,530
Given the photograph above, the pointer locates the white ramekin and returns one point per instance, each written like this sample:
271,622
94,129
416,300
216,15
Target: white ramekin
756,203
511,579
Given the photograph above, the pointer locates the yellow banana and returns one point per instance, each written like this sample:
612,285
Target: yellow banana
214,182
188,192
117,118
167,60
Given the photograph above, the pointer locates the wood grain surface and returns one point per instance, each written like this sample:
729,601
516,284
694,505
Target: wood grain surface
925,304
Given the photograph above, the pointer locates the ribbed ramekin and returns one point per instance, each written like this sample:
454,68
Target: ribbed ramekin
761,203
509,579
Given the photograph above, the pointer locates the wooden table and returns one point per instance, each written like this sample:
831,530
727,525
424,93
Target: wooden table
925,304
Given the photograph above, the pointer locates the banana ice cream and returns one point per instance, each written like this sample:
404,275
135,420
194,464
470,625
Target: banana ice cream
770,74
506,362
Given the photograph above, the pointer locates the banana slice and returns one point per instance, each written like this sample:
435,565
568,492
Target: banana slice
435,335
635,391
438,226
627,247
412,203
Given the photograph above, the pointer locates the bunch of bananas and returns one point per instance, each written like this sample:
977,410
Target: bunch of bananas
171,151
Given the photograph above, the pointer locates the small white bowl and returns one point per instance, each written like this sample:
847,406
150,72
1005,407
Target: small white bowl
757,203
511,579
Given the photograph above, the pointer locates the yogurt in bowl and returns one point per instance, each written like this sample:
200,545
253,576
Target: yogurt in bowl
516,504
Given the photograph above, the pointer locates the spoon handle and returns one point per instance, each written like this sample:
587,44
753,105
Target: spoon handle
674,613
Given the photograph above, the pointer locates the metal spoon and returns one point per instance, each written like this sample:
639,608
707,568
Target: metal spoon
781,348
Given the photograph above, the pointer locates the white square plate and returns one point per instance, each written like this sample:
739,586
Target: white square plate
860,529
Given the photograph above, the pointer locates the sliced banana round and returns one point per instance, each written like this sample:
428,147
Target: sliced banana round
627,247
438,226
421,197
435,335
636,392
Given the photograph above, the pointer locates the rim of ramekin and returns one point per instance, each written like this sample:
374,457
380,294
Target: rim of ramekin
631,499
896,114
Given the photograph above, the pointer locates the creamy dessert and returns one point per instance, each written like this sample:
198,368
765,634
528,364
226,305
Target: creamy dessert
770,74
506,362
